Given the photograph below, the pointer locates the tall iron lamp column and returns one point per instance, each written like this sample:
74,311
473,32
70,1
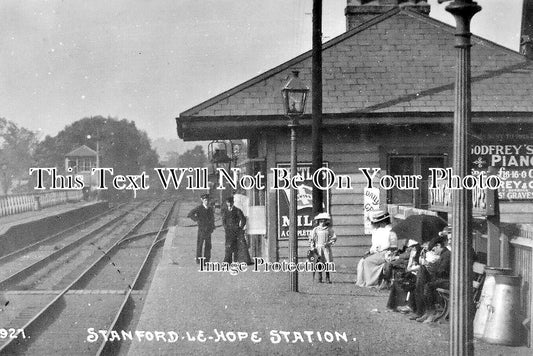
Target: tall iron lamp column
462,308
294,97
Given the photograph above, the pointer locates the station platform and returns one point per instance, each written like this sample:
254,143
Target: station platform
20,230
254,313
6,222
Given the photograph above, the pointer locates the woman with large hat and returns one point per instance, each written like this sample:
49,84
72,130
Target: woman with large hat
370,267
322,237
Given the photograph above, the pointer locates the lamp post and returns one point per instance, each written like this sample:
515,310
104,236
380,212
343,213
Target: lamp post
219,158
294,97
462,309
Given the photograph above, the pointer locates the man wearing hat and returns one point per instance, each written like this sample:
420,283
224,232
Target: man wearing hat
234,222
204,215
370,267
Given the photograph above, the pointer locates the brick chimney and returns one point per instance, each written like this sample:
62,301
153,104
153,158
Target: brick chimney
360,11
526,33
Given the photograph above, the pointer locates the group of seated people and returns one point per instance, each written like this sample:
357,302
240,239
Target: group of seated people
414,290
412,273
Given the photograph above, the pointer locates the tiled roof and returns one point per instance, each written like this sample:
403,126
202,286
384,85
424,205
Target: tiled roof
400,62
82,151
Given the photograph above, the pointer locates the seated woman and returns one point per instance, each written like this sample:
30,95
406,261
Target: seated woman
408,287
405,278
371,266
427,264
396,264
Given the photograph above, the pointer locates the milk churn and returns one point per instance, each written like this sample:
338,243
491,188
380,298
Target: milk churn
480,320
503,322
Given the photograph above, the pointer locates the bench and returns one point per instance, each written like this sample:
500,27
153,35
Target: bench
477,284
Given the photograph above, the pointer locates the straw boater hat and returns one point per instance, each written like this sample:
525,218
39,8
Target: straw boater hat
377,216
323,216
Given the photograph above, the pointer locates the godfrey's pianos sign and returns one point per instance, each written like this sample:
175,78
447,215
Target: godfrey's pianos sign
512,155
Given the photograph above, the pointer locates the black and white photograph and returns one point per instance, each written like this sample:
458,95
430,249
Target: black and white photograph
282,177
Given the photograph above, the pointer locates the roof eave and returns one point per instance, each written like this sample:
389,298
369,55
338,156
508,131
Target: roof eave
202,128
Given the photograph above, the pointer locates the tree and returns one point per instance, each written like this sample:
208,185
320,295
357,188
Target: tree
121,145
17,145
167,148
193,158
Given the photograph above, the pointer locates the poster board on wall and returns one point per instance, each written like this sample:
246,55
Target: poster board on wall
305,203
371,202
512,155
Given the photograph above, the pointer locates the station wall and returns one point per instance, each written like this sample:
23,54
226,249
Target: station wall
346,151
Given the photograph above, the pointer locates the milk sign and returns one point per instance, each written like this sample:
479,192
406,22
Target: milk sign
512,155
304,210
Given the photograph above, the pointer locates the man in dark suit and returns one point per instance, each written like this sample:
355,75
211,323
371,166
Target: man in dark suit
234,221
205,217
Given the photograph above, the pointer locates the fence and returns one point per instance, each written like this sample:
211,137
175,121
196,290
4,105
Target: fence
521,261
19,203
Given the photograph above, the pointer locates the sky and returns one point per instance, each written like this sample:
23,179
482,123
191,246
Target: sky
149,60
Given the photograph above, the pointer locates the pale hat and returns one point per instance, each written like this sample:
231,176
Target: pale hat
323,216
446,232
377,216
411,243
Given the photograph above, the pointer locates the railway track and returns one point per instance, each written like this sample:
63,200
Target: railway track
60,303
24,262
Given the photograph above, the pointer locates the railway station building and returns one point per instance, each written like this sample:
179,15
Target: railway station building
388,105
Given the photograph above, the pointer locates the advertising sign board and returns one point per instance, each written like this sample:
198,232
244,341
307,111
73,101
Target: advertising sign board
512,155
305,203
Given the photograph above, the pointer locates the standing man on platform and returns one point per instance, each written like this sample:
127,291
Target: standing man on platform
234,221
205,217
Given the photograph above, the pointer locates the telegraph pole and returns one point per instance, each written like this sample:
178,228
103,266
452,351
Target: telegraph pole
316,110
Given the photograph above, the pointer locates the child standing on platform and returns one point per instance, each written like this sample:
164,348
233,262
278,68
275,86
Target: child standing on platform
322,237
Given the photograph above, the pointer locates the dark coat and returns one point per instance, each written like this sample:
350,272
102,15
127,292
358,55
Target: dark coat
403,259
443,265
236,246
233,220
205,217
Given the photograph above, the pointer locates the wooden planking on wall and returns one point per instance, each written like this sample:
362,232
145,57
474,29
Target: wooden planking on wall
350,241
355,210
341,250
344,156
357,160
516,212
339,146
521,259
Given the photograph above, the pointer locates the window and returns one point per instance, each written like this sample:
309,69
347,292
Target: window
413,164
